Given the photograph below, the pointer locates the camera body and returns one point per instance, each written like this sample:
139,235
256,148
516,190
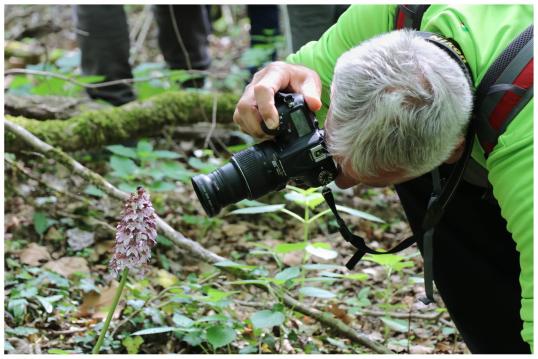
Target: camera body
297,153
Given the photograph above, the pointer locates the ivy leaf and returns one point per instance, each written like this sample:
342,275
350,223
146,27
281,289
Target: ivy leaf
41,222
220,335
46,302
316,292
267,319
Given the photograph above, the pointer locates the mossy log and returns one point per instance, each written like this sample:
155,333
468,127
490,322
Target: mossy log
91,130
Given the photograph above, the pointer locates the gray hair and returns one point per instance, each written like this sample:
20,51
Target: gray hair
399,103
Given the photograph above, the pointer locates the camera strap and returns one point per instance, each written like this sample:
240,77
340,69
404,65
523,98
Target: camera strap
442,192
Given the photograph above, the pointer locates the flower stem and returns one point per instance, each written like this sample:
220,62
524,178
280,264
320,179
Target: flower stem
117,296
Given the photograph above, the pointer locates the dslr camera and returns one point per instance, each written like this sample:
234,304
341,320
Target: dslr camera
296,153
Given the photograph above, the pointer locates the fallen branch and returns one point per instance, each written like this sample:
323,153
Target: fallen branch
114,125
193,247
48,107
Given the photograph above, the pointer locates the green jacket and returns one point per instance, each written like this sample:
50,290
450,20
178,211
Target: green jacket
482,32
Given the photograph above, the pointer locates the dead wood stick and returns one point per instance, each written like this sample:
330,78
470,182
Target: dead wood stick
193,247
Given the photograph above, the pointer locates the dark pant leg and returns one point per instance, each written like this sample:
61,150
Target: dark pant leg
309,22
103,38
476,266
192,24
194,28
264,26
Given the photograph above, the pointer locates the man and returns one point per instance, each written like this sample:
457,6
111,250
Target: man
400,107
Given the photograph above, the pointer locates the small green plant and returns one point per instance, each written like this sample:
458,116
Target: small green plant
145,165
392,263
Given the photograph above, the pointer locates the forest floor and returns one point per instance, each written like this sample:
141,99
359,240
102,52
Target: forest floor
59,238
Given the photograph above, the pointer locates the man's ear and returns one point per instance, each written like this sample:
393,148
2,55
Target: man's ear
457,152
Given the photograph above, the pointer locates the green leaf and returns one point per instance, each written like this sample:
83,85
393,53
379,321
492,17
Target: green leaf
182,321
160,186
60,351
320,252
249,349
156,330
46,302
360,214
267,319
204,167
311,200
393,261
22,331
17,307
41,222
321,266
259,209
399,325
123,151
194,338
144,146
163,241
132,344
288,273
283,248
94,191
220,335
123,167
166,154
316,292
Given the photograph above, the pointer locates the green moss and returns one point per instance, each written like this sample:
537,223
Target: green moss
112,125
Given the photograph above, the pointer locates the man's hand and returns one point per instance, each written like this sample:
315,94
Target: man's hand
258,101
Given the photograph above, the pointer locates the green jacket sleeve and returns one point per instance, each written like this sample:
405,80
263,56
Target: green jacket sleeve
358,23
510,167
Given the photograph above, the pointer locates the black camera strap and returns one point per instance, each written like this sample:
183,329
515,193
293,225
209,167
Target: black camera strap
442,192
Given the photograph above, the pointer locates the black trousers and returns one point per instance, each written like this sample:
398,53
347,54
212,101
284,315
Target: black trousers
103,38
476,265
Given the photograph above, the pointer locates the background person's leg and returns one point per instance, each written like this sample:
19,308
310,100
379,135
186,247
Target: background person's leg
192,23
103,38
309,22
476,266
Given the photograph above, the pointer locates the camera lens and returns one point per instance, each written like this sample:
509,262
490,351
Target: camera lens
219,188
250,174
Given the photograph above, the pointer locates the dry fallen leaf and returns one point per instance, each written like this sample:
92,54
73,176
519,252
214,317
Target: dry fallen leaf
34,255
79,239
420,349
234,230
68,265
97,305
293,259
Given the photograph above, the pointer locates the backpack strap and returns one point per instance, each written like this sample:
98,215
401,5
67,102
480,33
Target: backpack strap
505,89
409,16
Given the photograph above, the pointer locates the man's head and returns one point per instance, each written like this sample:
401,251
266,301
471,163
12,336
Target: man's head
399,108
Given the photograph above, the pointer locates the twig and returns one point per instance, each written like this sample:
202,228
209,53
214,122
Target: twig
194,248
178,37
96,85
147,18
